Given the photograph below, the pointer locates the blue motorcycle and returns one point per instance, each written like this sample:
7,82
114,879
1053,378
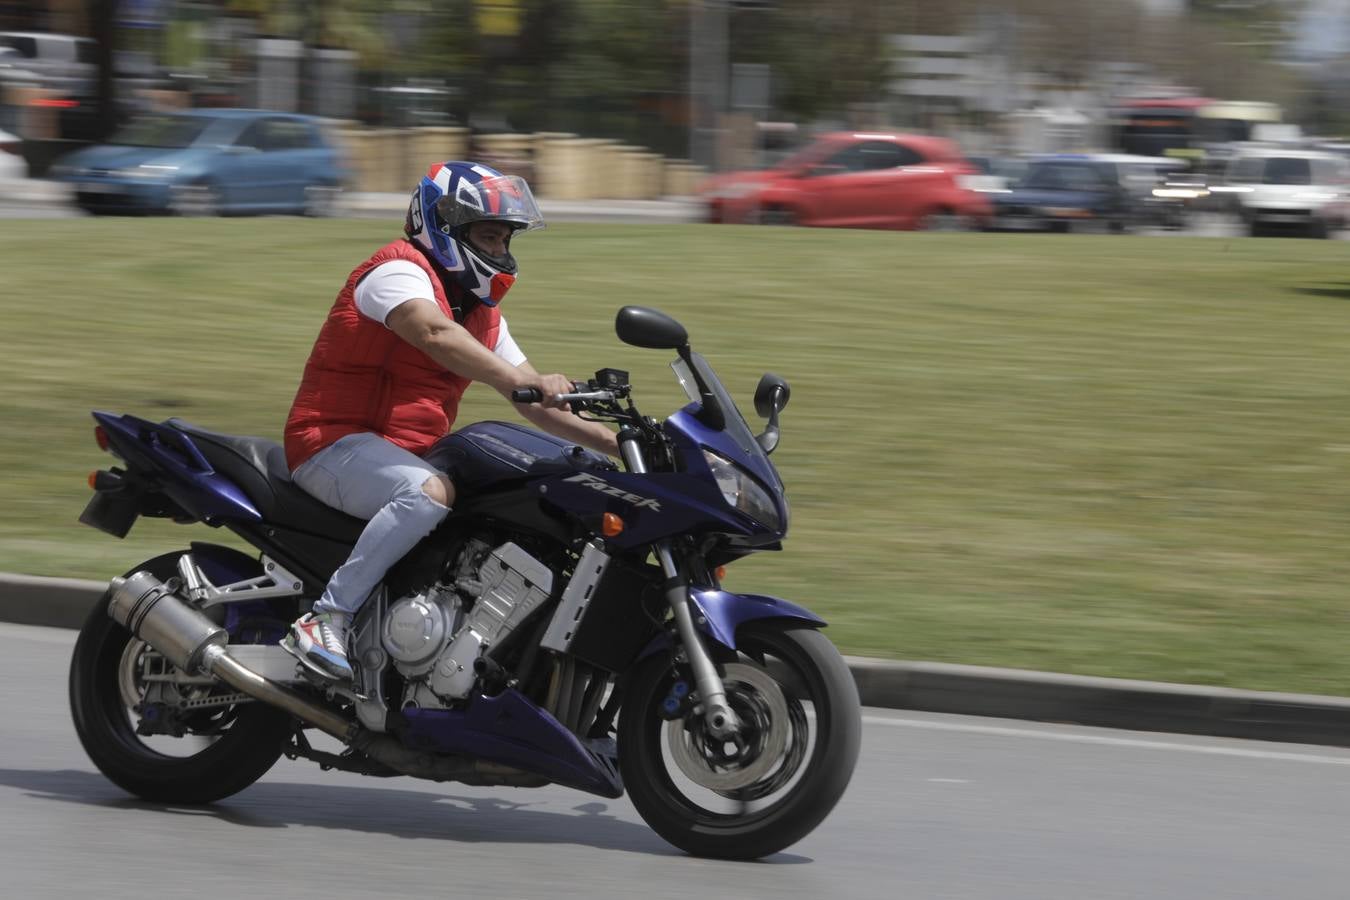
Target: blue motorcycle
564,625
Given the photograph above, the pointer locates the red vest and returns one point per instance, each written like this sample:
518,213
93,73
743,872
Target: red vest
363,377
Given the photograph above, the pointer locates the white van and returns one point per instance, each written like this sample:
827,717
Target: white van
60,61
1278,187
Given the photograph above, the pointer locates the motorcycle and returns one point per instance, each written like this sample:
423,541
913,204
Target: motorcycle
565,624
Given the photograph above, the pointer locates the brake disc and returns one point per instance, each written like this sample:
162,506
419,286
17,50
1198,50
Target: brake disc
711,762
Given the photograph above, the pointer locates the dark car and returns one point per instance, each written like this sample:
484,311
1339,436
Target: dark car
1067,193
854,180
206,162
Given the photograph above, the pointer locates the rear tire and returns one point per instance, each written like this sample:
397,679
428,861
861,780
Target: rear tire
796,770
942,220
777,215
250,740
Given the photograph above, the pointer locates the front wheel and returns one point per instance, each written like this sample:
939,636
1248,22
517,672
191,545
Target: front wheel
154,739
788,767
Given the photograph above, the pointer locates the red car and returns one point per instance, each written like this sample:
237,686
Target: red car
855,180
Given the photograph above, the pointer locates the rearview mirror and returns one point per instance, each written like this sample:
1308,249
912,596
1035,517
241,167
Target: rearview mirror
650,328
770,397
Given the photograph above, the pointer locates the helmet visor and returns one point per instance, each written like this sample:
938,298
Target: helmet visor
499,198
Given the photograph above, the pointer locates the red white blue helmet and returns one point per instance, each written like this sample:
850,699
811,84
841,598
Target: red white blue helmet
452,196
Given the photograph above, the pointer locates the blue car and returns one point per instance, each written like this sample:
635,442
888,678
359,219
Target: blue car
1066,193
205,162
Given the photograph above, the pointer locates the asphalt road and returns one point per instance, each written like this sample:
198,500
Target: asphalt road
940,807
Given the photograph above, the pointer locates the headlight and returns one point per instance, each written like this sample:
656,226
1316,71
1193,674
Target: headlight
145,171
743,492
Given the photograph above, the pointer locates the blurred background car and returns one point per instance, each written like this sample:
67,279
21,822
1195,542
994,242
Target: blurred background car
993,174
1163,189
62,62
208,162
1067,192
855,180
1277,188
12,164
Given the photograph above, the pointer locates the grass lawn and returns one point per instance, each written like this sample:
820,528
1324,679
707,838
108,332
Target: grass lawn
1115,456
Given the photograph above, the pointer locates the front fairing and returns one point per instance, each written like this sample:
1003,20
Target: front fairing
690,436
688,501
725,433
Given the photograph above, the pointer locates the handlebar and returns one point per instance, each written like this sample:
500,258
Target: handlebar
535,395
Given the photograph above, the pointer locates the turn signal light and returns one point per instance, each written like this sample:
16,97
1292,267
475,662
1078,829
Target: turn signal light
720,572
93,480
101,438
611,525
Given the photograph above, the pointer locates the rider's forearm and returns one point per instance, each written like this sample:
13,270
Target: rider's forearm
570,428
451,346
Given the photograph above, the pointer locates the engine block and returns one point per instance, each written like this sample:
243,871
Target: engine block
433,643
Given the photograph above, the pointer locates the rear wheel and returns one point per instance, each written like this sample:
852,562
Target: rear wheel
942,220
159,741
798,707
777,215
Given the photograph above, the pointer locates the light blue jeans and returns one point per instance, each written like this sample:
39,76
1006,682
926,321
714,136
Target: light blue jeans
366,476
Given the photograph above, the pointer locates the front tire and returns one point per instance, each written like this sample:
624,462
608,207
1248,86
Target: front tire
243,740
321,200
197,200
802,726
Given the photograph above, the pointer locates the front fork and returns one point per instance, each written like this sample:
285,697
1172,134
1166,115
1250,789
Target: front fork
721,720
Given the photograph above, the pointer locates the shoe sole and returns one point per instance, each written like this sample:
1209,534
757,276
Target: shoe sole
310,668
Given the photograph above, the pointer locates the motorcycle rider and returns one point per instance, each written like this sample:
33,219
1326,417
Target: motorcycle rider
414,325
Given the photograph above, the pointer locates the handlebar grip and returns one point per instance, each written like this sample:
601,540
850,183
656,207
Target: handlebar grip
527,395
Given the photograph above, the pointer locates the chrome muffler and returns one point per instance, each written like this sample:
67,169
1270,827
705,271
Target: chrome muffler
147,608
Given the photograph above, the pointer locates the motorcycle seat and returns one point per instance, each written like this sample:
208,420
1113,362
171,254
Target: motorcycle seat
258,466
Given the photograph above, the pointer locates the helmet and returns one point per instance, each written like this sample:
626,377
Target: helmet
451,197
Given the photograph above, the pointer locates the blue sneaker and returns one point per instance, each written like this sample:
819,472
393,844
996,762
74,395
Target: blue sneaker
320,643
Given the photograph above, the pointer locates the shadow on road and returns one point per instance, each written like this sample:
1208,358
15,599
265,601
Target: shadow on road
405,814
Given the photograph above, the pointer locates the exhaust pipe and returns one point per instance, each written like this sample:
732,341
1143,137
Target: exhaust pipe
192,642
147,608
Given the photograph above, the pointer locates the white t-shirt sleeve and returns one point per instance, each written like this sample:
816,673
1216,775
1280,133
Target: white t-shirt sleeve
389,285
506,347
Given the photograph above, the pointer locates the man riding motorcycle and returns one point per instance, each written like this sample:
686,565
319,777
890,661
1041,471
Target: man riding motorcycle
412,328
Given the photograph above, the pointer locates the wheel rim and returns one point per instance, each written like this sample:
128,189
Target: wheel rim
778,708
320,200
945,221
726,767
149,700
195,200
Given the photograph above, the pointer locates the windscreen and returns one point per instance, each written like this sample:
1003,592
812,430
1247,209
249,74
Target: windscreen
162,132
1287,170
735,424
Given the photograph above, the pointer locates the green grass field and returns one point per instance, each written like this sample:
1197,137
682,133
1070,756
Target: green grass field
1113,456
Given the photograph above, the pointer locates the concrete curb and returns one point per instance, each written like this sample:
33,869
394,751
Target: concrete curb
934,687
